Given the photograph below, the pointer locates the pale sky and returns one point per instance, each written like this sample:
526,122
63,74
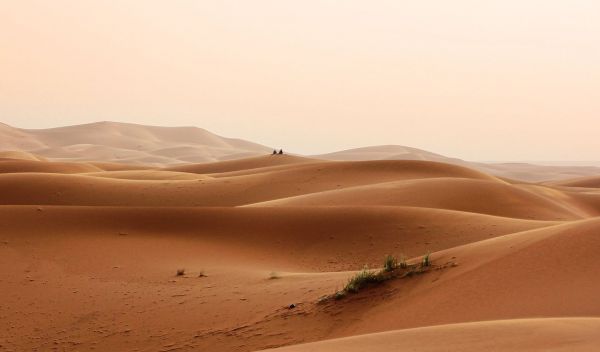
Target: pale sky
478,80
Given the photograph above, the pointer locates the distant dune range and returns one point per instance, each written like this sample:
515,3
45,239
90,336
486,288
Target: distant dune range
89,248
127,143
154,146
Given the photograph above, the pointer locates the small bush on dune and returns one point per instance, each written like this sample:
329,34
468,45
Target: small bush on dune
402,263
339,295
426,261
390,263
361,279
180,272
389,271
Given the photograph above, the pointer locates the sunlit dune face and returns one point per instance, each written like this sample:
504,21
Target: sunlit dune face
494,80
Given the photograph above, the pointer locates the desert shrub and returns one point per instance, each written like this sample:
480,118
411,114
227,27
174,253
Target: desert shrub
402,262
180,272
361,279
339,295
389,272
390,263
426,260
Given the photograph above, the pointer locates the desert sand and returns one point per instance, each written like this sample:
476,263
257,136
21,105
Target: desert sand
124,146
127,143
90,250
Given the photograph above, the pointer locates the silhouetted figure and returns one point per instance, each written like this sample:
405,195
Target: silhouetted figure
274,151
280,151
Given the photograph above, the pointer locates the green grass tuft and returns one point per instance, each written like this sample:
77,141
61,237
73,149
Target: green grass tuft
426,261
392,268
362,279
402,263
390,263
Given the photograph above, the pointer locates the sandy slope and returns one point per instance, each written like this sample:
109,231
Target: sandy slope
472,195
88,257
387,152
62,189
139,144
148,175
94,264
536,173
26,166
586,182
20,155
541,273
246,164
519,171
168,146
559,334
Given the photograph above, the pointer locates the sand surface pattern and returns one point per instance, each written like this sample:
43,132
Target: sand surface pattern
90,251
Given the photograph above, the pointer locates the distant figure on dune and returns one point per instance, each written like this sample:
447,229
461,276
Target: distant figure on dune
275,152
280,151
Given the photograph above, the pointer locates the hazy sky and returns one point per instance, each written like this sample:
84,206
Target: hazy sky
480,80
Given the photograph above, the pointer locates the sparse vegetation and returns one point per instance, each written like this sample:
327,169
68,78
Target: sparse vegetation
201,274
339,295
180,272
402,263
390,263
392,268
426,262
361,279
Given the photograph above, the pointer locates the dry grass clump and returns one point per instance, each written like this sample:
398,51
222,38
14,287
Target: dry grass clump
392,268
390,263
360,280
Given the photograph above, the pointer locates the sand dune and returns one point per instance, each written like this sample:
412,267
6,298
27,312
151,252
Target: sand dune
113,141
169,146
315,232
62,189
246,164
522,275
518,171
150,175
586,182
536,173
519,275
14,139
20,155
89,254
472,195
84,260
26,166
108,166
387,152
560,334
